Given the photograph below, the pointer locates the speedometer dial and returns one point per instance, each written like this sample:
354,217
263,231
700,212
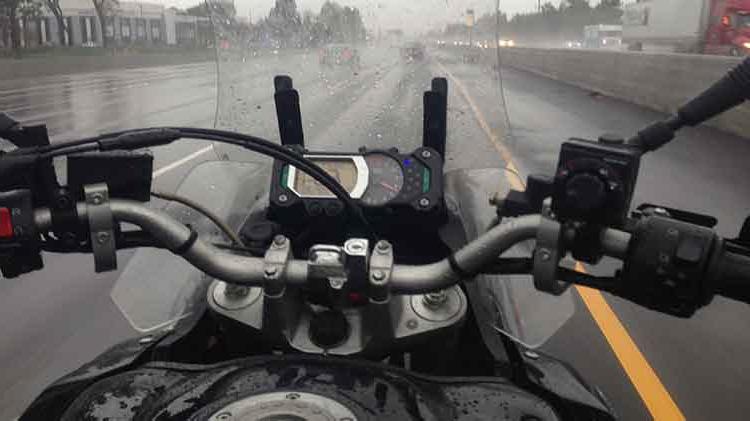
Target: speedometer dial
385,181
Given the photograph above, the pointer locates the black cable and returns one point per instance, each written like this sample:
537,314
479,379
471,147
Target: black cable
139,138
203,211
286,155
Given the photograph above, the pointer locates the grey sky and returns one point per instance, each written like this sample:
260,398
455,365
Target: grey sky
410,15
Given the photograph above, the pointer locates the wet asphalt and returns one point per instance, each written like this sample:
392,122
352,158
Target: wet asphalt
57,319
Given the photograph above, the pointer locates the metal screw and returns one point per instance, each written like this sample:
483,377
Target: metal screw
102,237
293,396
426,154
378,275
354,246
383,246
279,240
424,202
336,282
146,340
531,354
97,198
283,198
435,299
411,324
271,271
236,291
224,416
545,255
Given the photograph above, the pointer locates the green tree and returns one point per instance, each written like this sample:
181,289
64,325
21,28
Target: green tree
197,10
104,9
341,24
284,22
11,11
62,27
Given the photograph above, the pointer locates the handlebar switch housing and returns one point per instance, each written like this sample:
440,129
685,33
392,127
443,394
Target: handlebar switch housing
666,267
594,182
19,247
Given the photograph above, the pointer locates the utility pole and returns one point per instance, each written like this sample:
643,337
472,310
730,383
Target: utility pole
539,5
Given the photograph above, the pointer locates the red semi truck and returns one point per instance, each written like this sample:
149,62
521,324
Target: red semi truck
692,26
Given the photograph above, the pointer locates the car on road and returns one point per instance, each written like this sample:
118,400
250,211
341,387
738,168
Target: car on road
413,51
339,55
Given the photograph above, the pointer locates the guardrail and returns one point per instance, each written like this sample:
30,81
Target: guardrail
659,81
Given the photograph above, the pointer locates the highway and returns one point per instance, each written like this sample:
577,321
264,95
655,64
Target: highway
647,364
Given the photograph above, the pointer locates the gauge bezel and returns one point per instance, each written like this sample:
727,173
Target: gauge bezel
394,157
360,186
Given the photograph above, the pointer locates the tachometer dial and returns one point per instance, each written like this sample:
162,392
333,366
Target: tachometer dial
385,181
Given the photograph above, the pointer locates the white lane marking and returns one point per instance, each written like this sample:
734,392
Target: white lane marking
161,171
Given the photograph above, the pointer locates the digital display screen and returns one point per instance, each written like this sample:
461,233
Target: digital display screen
343,170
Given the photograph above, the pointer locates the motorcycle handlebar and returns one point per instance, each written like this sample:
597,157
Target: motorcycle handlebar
245,270
732,270
734,276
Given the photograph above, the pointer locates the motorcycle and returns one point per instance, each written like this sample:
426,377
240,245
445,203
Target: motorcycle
353,285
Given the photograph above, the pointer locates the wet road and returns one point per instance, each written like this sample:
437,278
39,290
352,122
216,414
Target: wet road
63,316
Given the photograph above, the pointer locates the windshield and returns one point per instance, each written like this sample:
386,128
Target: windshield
361,71
523,77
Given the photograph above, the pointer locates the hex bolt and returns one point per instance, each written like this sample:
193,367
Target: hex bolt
426,154
102,237
283,198
411,324
279,240
544,255
383,246
236,291
424,202
292,396
226,415
378,275
97,198
336,283
435,299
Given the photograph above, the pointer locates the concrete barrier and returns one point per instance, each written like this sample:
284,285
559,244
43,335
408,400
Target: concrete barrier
36,66
659,81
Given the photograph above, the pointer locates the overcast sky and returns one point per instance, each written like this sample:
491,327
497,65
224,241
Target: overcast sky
410,15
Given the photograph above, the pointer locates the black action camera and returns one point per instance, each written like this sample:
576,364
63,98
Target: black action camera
595,181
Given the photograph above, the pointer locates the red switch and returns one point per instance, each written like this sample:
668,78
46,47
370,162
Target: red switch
6,224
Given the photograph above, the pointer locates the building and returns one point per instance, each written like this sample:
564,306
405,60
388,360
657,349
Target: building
128,24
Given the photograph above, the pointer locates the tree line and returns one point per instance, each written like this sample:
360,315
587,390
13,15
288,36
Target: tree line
563,22
13,10
285,26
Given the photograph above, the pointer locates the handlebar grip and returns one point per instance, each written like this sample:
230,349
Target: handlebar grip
734,276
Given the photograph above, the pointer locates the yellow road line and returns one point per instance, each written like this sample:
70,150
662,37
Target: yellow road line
655,397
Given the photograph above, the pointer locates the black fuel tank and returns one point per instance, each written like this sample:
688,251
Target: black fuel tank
301,388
